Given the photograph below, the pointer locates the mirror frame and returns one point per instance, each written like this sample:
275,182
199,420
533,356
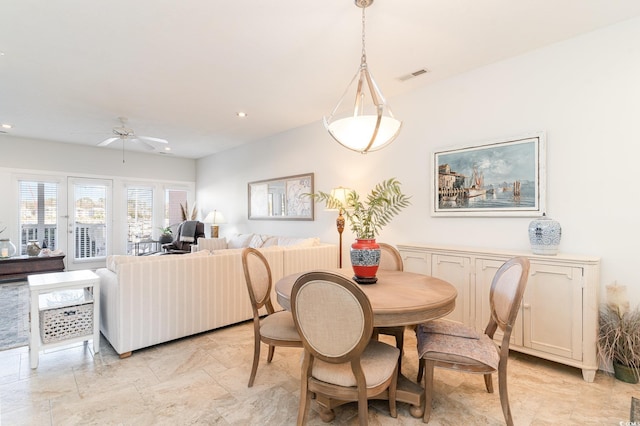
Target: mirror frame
295,203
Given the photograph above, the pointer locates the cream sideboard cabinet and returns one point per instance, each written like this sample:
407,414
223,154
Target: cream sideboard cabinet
558,319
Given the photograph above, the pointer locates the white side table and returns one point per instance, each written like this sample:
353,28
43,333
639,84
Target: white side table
42,284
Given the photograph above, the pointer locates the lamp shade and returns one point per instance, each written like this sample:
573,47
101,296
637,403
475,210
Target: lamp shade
340,194
215,217
362,133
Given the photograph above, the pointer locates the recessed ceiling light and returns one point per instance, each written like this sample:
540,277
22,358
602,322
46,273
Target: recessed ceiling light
7,126
241,114
166,148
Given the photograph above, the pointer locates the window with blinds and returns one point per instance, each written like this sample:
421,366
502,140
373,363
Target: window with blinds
173,198
38,214
139,213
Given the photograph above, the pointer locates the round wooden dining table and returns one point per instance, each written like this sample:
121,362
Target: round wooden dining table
397,298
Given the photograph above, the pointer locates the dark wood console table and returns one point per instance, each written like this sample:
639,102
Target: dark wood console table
18,267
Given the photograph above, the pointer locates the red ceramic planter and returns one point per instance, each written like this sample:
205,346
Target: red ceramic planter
365,259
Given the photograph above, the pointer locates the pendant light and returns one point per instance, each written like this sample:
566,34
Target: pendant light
370,125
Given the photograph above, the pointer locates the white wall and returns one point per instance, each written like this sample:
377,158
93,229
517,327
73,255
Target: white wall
20,156
584,93
34,154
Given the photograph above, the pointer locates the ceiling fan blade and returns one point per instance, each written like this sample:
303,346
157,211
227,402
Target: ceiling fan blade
149,138
147,145
107,141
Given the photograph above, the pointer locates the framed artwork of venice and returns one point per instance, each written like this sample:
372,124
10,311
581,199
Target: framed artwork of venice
499,178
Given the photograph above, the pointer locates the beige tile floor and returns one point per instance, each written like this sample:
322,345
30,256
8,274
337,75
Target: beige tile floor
203,380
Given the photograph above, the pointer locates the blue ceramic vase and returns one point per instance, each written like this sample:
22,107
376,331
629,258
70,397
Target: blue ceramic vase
544,235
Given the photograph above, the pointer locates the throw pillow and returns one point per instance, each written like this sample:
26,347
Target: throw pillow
270,242
212,244
258,240
239,241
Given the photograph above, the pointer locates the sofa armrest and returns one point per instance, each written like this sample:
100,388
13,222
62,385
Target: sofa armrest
109,307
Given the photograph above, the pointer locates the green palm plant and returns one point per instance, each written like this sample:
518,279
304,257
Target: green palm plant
166,230
367,217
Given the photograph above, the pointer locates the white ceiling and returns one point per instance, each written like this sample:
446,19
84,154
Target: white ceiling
180,70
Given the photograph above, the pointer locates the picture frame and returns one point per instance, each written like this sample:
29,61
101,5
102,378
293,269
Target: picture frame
283,198
498,178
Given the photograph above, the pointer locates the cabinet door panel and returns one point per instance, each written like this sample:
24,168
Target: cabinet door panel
553,310
485,272
418,262
456,270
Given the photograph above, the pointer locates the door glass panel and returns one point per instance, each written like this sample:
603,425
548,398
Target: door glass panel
89,208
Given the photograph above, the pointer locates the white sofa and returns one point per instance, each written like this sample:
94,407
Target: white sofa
148,300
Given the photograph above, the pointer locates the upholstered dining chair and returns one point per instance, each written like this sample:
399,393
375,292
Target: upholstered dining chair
391,260
276,328
449,345
341,361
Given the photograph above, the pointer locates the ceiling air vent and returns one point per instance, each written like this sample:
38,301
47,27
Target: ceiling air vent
413,74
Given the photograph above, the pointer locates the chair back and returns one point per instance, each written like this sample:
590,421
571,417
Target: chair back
390,258
178,244
332,315
257,274
507,289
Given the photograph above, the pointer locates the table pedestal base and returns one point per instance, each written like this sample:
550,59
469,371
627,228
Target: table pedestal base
407,391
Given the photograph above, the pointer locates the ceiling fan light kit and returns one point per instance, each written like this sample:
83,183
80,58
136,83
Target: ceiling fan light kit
370,125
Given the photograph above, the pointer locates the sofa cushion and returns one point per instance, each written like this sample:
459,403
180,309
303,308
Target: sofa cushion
114,261
199,253
236,251
298,242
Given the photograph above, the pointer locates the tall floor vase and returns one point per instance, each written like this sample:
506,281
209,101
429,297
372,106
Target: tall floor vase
365,259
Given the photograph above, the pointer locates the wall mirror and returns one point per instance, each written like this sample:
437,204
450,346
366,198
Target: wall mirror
282,198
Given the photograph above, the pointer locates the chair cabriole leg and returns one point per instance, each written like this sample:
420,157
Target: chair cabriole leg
256,359
429,366
272,350
504,395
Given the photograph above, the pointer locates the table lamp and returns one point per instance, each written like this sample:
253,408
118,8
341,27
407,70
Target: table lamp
214,218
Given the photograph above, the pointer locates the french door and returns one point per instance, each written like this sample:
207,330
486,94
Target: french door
89,217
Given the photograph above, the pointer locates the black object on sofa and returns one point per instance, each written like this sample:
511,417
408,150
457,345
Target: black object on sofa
188,233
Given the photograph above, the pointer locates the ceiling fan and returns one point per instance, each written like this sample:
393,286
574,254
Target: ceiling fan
123,133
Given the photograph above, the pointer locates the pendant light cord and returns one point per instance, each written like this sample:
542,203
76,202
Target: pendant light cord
363,59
